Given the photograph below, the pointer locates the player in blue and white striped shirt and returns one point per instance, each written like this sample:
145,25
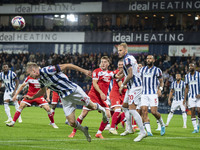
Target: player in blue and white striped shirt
69,92
151,78
192,81
132,97
178,89
11,82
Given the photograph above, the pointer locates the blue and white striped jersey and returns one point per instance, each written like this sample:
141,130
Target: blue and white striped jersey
179,90
130,61
56,81
193,81
150,80
9,80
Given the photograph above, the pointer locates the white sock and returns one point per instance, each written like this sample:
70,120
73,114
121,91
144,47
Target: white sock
17,108
79,126
52,110
184,118
194,123
7,110
99,131
100,108
128,119
147,126
138,120
158,123
16,105
161,122
169,117
80,117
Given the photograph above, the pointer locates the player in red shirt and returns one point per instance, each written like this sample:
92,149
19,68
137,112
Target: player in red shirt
116,100
34,87
101,78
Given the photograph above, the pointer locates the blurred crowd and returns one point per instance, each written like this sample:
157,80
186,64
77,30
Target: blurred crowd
169,65
115,28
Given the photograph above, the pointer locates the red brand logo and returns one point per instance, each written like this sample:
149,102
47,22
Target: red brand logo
184,50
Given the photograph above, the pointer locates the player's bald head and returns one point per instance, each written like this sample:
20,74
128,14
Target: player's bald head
150,56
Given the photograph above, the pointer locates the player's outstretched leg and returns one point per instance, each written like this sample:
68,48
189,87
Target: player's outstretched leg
138,120
169,118
84,130
73,123
129,129
17,107
96,106
17,114
80,120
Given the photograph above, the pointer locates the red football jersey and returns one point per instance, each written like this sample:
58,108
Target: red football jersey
34,85
104,78
115,88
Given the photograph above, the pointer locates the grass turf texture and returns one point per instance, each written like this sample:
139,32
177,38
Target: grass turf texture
35,133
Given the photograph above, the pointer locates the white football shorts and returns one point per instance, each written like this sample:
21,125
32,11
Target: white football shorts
133,95
149,100
176,105
193,102
78,97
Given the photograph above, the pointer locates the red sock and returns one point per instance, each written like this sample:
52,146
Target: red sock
80,121
114,119
16,116
51,117
53,113
120,118
134,123
102,126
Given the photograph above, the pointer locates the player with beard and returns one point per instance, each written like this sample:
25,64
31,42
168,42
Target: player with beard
192,81
11,82
133,81
151,76
178,89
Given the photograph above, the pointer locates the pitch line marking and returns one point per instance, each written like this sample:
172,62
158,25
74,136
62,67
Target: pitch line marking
95,139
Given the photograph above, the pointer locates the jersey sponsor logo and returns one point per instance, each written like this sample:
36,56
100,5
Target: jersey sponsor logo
178,89
106,78
193,82
147,74
35,83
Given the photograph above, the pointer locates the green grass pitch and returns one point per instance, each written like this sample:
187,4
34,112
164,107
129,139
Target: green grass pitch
35,133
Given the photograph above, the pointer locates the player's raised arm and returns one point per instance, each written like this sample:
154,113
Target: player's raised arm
128,78
73,67
41,92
